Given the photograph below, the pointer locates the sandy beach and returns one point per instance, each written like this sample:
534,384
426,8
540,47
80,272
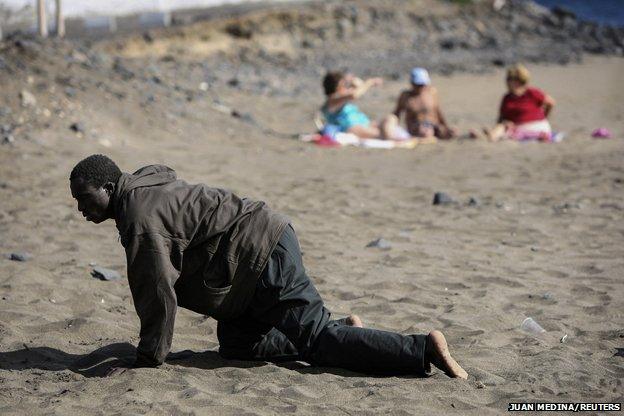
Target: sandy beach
543,240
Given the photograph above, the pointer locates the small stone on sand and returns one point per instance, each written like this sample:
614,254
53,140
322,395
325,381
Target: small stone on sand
27,99
103,273
20,256
77,127
380,243
441,198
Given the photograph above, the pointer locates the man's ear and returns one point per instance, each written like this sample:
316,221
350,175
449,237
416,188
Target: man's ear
109,187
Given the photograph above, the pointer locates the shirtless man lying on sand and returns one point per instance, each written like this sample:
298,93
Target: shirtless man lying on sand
209,251
423,116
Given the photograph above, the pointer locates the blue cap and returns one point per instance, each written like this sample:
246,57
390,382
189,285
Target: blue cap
420,76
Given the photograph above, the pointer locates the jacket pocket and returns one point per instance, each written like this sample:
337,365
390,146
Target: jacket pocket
216,291
213,297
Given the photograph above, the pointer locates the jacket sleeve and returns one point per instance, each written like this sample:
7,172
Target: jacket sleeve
152,275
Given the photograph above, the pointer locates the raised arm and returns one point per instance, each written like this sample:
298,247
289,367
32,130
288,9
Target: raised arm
357,89
360,87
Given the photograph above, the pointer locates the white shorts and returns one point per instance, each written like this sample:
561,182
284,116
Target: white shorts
532,129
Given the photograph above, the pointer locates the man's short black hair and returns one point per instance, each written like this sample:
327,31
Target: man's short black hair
331,81
96,170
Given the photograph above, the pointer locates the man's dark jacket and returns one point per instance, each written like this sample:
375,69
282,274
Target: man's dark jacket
192,246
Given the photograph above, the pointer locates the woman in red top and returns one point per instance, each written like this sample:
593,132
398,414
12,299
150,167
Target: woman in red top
523,111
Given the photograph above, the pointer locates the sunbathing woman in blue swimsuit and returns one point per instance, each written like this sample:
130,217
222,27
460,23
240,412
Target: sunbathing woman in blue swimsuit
341,90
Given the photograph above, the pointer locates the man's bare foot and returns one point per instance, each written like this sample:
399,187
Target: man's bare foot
354,320
437,353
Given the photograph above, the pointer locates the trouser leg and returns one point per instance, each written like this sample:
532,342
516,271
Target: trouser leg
284,316
369,350
247,339
287,300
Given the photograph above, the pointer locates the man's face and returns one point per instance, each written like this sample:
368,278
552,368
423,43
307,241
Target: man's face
92,202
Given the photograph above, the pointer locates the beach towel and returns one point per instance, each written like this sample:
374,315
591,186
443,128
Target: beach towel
348,139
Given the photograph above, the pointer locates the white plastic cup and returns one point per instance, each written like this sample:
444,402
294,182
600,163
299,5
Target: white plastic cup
529,325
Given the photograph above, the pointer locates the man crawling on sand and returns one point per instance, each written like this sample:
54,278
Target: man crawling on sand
207,250
423,116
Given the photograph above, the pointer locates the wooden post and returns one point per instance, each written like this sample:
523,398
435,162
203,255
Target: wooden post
41,19
112,24
167,18
60,21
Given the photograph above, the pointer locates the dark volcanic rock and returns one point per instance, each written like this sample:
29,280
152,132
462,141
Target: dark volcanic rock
246,117
77,127
20,256
122,70
148,37
563,13
70,91
103,273
441,198
6,131
237,30
380,243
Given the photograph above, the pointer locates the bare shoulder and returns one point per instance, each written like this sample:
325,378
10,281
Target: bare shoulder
404,94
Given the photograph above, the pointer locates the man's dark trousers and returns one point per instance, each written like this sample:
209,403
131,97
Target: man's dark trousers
286,320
